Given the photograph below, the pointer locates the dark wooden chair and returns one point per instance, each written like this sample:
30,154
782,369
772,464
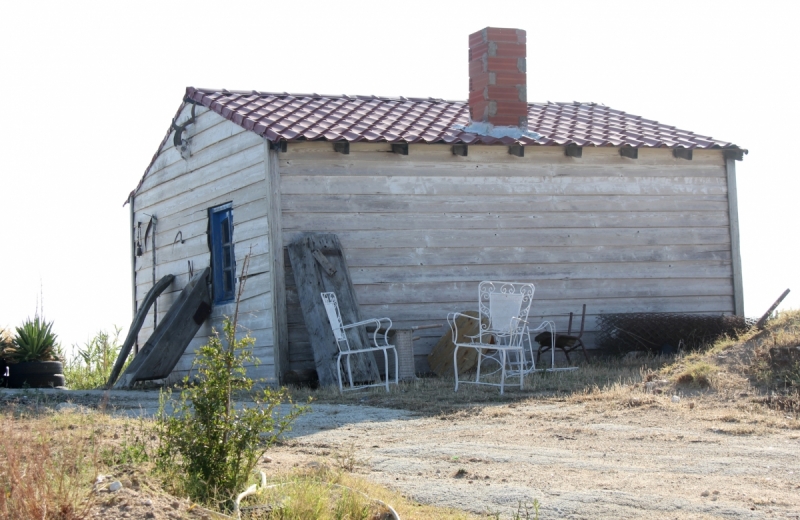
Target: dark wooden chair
566,342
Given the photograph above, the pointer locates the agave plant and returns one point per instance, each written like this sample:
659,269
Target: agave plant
35,341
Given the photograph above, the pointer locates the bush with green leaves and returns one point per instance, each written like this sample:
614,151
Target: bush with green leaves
208,443
35,341
90,365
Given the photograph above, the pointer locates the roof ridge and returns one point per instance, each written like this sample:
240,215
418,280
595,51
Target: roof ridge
361,97
367,97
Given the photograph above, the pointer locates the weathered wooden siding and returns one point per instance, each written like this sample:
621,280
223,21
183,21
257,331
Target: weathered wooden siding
421,231
226,165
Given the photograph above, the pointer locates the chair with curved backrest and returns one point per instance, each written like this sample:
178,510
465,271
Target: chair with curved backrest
345,351
565,342
503,309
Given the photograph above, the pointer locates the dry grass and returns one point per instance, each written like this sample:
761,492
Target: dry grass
728,370
314,493
434,396
50,460
47,466
745,368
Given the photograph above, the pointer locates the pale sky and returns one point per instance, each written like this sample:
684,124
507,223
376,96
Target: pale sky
89,90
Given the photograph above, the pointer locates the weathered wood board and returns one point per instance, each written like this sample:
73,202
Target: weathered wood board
318,265
136,326
172,335
421,231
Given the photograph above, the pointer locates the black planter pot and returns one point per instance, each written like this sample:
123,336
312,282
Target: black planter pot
36,374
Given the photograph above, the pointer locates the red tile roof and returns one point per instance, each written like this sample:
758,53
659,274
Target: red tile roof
293,117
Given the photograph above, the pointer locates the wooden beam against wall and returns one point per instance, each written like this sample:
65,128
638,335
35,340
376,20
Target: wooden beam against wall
573,150
460,149
629,151
400,149
682,153
517,150
343,147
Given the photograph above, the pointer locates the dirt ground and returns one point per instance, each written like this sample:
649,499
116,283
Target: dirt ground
644,457
660,459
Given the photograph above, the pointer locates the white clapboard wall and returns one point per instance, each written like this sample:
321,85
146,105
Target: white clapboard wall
226,165
421,231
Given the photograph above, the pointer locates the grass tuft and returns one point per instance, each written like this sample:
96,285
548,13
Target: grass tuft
327,494
698,373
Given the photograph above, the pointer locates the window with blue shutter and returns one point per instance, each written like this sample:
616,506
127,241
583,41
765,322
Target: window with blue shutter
223,260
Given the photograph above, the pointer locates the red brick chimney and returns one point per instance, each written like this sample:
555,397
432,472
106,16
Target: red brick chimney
497,84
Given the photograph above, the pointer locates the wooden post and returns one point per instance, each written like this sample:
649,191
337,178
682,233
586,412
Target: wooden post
154,222
280,330
133,258
733,218
760,324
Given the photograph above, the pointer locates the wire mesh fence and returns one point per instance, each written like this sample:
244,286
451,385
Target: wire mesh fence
665,333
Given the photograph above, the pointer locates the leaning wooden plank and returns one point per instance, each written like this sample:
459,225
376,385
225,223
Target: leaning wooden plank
166,345
133,332
761,322
318,265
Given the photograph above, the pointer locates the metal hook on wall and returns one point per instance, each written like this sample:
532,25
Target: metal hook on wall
139,251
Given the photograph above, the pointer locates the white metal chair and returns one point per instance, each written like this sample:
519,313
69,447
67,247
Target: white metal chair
503,309
339,332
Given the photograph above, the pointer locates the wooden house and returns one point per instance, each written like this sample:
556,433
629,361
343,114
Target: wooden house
428,198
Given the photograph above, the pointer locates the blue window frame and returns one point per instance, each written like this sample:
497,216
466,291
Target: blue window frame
223,260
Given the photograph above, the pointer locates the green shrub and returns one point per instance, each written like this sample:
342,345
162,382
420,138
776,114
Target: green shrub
208,445
34,341
90,365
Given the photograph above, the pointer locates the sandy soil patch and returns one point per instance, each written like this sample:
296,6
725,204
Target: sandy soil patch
579,460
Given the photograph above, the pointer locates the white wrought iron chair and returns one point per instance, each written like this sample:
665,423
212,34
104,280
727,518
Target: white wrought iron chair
345,351
503,309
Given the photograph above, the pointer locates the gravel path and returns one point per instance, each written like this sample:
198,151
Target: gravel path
595,460
666,461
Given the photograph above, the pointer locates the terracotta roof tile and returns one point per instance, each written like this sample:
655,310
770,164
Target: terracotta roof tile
283,116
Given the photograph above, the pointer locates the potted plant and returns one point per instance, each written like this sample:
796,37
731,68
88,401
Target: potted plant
32,357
